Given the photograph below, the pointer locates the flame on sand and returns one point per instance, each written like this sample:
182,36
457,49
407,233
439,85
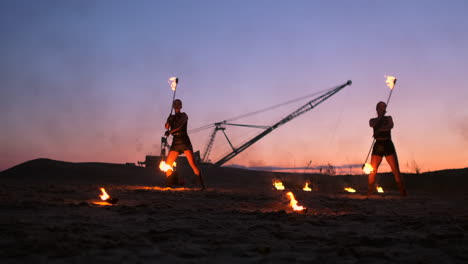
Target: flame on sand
278,185
104,196
379,189
293,202
307,188
390,81
165,167
367,168
349,189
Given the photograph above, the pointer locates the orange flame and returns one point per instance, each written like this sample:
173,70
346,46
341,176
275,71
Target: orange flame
390,81
379,189
278,185
307,188
104,196
367,168
173,82
165,167
349,189
293,202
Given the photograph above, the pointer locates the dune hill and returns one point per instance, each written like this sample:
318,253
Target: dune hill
47,171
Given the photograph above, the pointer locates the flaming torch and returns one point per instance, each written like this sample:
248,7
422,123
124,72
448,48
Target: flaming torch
391,81
367,168
173,81
165,167
293,203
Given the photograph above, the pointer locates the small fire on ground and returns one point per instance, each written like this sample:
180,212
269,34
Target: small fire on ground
307,188
278,185
106,199
293,203
380,189
349,189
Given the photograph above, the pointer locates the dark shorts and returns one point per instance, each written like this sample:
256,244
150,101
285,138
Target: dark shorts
383,148
181,144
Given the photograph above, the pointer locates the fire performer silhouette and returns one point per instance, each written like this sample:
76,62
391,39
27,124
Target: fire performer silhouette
383,146
176,125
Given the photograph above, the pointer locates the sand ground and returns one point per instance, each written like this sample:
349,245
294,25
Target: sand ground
44,223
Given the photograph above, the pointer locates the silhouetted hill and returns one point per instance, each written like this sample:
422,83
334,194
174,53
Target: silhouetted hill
52,171
47,171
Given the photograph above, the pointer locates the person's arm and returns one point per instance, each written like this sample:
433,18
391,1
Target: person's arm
168,122
383,123
180,124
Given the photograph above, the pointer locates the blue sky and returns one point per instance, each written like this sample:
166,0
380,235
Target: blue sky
87,80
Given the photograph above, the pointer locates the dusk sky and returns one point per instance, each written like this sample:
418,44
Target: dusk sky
86,81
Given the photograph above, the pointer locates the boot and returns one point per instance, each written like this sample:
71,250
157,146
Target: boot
370,189
202,183
401,186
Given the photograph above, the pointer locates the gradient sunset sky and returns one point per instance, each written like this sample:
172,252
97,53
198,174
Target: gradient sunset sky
87,80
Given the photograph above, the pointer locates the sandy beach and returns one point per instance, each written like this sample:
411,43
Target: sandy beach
241,218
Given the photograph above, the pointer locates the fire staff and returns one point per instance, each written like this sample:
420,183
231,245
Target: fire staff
176,125
383,146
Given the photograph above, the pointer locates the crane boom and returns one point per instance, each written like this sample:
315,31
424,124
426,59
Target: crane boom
305,108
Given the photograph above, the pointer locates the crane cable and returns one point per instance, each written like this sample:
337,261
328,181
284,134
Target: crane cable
261,110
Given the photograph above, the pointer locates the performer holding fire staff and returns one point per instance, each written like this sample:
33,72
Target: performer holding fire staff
177,126
383,146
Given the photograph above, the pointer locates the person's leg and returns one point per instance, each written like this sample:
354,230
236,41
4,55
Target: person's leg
393,162
375,162
193,164
170,160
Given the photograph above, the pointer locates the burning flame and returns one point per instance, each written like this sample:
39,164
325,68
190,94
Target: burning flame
349,189
367,168
278,185
165,167
293,202
307,188
390,81
104,196
173,81
379,189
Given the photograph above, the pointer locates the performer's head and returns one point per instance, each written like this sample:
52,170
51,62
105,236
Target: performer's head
381,108
177,104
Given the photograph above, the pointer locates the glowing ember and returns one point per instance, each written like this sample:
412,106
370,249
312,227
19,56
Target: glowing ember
367,168
173,82
165,167
379,189
293,202
349,189
390,81
307,188
278,185
104,196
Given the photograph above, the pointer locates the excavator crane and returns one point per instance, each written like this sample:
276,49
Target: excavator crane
220,126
